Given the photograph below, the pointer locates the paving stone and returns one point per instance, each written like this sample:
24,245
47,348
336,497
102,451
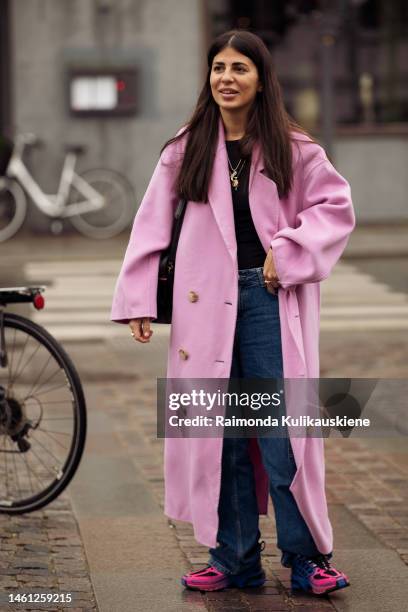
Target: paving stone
268,602
314,607
217,607
231,595
28,562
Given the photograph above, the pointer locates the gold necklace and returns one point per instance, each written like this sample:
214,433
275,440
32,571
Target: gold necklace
235,172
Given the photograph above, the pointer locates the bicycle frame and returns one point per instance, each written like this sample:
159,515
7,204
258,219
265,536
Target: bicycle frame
55,205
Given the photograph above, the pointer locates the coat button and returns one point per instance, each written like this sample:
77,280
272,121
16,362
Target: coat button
183,354
193,296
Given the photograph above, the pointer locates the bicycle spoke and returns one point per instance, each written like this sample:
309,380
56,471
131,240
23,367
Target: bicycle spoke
5,465
56,418
32,470
28,472
48,390
53,437
42,462
35,384
26,364
60,433
46,449
33,391
57,402
15,470
10,362
19,361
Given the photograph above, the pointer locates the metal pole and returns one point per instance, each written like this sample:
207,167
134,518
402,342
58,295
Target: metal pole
327,39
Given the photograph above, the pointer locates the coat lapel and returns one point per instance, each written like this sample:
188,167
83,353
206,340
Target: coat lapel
219,194
264,200
263,197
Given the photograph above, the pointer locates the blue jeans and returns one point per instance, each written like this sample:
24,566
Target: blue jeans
257,353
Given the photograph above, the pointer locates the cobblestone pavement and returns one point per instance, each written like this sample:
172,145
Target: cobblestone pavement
43,551
373,488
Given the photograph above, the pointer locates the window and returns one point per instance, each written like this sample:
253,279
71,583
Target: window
369,58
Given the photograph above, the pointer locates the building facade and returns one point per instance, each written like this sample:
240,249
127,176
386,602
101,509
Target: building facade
160,43
342,66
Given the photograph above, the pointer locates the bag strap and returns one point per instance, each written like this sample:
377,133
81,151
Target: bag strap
177,225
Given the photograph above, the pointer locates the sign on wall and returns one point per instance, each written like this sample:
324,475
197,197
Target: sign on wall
95,93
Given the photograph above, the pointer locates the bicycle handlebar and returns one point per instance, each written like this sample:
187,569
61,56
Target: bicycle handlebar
29,139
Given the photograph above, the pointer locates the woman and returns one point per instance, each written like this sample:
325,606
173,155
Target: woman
267,218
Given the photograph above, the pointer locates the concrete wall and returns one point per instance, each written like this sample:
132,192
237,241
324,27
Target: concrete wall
162,38
376,167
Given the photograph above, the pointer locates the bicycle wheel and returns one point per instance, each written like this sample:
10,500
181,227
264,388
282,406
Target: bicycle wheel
13,208
118,211
42,417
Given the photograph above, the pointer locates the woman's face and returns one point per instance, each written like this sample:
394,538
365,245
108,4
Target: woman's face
234,80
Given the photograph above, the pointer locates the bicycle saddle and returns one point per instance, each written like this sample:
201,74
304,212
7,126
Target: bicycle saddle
78,149
30,140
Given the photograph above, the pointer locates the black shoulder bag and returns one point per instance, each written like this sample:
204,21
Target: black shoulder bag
166,269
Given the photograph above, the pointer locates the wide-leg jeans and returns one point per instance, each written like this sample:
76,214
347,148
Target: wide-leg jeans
257,353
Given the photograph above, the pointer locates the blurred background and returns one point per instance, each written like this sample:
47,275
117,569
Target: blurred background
122,76
101,85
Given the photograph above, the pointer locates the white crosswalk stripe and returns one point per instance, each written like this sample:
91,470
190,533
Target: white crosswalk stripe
78,299
353,300
79,295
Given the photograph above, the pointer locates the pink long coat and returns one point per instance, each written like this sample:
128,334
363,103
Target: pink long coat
308,231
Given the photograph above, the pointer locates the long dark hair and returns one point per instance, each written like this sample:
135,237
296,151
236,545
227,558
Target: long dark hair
268,123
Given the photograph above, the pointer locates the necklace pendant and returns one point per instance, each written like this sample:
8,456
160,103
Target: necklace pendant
234,180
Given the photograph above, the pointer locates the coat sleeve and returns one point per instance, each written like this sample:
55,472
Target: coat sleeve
136,286
307,252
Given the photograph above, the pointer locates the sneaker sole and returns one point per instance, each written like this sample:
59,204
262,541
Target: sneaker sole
200,587
227,583
341,584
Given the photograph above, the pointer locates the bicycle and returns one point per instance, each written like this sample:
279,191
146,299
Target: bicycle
42,410
99,202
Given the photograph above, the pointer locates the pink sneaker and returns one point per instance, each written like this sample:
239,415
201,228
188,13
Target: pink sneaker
316,575
211,579
207,579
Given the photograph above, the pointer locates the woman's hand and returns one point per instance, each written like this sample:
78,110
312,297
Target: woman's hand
270,274
141,329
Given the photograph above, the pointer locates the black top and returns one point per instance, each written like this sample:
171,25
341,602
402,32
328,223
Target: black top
251,253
